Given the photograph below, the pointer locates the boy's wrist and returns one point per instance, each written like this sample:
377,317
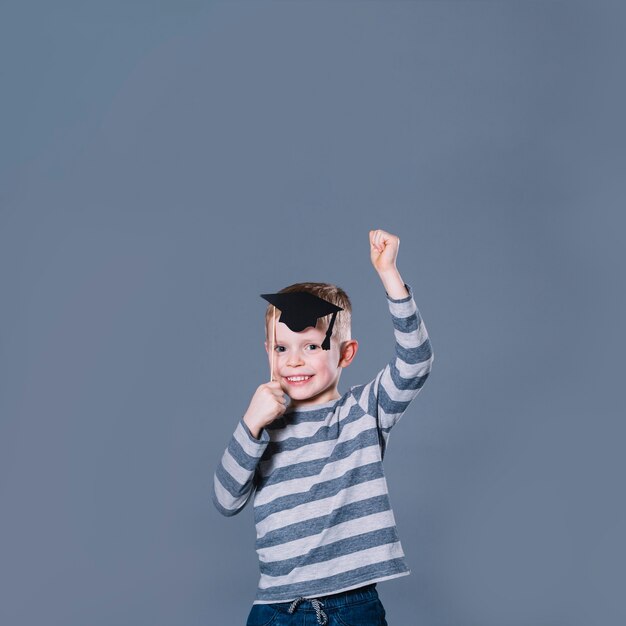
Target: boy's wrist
393,283
255,429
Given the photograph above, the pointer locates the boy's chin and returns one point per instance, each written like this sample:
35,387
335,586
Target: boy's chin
300,394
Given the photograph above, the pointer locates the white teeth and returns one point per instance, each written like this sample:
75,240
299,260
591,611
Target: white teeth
297,379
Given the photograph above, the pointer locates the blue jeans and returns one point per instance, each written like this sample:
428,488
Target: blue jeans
359,607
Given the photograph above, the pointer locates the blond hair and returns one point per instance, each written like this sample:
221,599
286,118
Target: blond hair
336,295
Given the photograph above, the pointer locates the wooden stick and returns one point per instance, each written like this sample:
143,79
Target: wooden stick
272,344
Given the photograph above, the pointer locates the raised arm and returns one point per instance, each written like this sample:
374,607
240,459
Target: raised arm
394,387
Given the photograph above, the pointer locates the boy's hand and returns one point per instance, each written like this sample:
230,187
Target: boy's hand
383,250
268,402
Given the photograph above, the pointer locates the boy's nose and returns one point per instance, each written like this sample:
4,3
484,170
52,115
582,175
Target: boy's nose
295,358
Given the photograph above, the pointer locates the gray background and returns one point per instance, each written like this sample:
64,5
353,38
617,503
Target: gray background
163,163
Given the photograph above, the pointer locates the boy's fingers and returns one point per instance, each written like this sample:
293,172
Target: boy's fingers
276,390
388,238
375,239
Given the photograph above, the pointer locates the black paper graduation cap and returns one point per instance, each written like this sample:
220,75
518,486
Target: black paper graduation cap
300,309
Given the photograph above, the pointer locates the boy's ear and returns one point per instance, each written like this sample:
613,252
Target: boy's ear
348,352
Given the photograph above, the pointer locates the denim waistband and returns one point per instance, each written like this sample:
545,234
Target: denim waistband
335,600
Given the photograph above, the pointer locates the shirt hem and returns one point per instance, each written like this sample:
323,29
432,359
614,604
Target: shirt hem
362,583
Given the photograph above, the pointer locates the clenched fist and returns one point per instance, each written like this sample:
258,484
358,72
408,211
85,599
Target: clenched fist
268,402
383,250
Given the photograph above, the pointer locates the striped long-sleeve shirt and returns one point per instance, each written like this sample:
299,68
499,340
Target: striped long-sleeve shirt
324,522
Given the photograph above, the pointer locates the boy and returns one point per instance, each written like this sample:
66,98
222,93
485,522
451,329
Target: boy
326,533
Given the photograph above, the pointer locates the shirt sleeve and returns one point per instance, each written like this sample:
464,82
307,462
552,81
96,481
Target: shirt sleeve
234,476
390,393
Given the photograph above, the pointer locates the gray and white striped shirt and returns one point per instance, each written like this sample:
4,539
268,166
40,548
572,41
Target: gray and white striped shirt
324,522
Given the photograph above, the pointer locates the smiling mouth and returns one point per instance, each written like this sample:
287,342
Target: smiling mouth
298,380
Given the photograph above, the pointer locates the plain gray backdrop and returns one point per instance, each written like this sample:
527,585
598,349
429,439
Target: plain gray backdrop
163,163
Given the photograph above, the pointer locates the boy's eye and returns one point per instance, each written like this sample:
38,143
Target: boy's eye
279,348
312,346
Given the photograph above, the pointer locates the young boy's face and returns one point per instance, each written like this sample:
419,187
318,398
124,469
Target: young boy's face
308,374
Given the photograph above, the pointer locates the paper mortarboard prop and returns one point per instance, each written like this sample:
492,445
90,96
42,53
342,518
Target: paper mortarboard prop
300,309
